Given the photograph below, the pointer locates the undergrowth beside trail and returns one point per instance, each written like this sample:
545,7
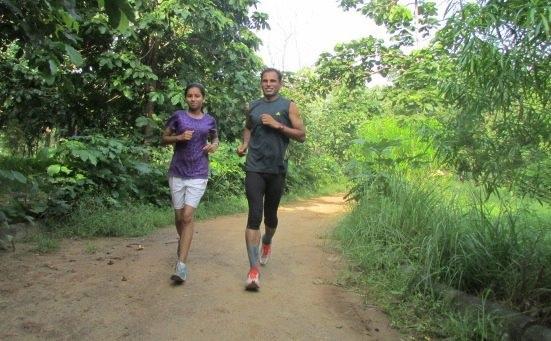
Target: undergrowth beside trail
409,235
93,219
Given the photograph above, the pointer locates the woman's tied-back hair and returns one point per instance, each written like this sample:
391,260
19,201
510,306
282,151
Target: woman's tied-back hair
199,86
271,69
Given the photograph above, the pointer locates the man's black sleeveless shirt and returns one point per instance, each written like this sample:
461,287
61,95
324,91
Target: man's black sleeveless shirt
267,146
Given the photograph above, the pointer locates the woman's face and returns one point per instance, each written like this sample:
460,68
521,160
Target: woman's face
194,99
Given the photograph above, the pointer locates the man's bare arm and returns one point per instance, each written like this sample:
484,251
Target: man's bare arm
242,149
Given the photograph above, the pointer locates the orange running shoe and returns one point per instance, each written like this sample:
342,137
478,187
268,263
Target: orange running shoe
252,282
266,251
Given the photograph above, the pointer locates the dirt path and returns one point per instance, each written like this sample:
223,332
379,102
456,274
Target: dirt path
122,292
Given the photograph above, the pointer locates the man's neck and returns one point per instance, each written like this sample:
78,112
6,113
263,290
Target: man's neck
271,98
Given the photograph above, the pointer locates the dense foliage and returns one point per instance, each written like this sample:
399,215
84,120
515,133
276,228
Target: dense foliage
77,72
88,85
501,131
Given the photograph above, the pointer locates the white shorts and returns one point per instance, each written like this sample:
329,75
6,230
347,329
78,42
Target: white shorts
186,191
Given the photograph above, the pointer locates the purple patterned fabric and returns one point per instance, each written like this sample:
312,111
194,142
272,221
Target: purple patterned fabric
189,161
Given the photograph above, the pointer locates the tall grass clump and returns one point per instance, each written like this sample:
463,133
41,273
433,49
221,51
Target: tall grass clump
93,218
415,229
407,239
505,253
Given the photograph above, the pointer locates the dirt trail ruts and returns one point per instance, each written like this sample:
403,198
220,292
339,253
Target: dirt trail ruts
123,291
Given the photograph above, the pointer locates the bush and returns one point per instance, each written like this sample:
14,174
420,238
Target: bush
227,173
21,198
388,145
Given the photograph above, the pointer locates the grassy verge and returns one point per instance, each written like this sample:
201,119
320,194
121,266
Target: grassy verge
338,186
91,219
411,235
132,220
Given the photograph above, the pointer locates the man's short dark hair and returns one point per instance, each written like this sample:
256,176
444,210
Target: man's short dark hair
271,69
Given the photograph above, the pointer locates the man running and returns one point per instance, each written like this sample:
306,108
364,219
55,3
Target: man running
271,121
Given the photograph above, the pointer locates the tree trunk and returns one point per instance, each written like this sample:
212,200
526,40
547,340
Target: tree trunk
150,59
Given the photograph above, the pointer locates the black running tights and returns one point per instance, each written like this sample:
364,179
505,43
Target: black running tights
264,191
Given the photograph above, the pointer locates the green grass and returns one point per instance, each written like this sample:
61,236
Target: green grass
91,220
230,205
404,240
476,325
44,243
90,248
99,221
339,185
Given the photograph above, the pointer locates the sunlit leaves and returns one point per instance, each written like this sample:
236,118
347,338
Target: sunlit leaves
55,169
52,28
416,78
507,42
352,63
500,85
85,66
356,62
403,19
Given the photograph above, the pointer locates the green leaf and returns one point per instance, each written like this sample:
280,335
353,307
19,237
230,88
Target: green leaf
142,121
65,170
142,168
545,24
68,20
19,177
85,155
123,23
53,170
74,55
127,93
53,66
127,10
13,176
176,99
